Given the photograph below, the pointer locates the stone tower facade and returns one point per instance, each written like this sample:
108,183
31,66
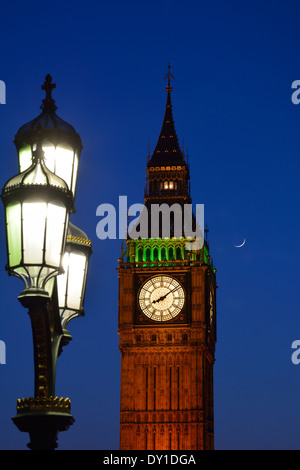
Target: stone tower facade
167,320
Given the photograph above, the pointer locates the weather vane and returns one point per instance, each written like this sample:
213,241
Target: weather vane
169,76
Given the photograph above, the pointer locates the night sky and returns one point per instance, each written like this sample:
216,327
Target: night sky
234,64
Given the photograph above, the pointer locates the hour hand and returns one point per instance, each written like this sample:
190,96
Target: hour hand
159,299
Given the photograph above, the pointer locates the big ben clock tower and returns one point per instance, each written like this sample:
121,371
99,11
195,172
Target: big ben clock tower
167,320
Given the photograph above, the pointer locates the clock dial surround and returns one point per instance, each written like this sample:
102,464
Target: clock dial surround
161,298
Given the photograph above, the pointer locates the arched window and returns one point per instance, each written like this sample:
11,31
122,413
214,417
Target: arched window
178,253
155,254
154,437
163,254
169,185
146,438
178,438
148,254
140,254
171,253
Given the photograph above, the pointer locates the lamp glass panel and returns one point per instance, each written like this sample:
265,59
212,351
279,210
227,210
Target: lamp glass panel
75,170
75,267
56,222
13,220
64,164
25,158
34,225
62,281
49,151
60,160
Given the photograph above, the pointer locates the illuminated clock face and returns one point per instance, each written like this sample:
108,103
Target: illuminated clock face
161,298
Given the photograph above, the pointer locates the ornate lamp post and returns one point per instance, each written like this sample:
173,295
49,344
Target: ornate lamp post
50,255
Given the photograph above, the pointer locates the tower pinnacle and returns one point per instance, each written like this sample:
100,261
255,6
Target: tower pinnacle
170,77
167,150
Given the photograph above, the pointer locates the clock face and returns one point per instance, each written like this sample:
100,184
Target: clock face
161,298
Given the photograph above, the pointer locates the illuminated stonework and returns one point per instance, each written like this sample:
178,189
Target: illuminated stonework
167,322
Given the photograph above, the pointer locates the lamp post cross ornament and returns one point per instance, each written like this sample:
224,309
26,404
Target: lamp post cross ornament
48,86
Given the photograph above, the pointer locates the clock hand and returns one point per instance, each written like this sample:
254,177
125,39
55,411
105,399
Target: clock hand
173,290
164,296
158,300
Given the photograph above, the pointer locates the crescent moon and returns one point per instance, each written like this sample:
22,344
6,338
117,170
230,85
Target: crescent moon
239,246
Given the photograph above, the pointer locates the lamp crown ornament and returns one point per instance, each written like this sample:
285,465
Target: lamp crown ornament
48,101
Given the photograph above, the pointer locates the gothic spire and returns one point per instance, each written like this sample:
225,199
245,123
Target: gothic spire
167,150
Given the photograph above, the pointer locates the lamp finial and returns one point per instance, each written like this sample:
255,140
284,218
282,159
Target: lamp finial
48,86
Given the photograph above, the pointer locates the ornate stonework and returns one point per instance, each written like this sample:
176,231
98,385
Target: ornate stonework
167,366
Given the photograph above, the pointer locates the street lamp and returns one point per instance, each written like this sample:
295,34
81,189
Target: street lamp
47,252
60,142
71,284
37,205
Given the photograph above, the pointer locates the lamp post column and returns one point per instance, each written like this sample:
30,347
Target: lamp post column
45,415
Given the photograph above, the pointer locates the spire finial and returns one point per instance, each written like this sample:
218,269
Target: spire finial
169,76
48,86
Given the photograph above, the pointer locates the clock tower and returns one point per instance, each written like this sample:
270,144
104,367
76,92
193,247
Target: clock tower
167,319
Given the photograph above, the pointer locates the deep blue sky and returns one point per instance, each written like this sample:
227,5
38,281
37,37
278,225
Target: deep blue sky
234,63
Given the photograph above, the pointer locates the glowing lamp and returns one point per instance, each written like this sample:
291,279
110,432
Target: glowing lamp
60,142
72,283
37,205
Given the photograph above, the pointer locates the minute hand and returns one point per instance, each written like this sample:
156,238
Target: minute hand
164,296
